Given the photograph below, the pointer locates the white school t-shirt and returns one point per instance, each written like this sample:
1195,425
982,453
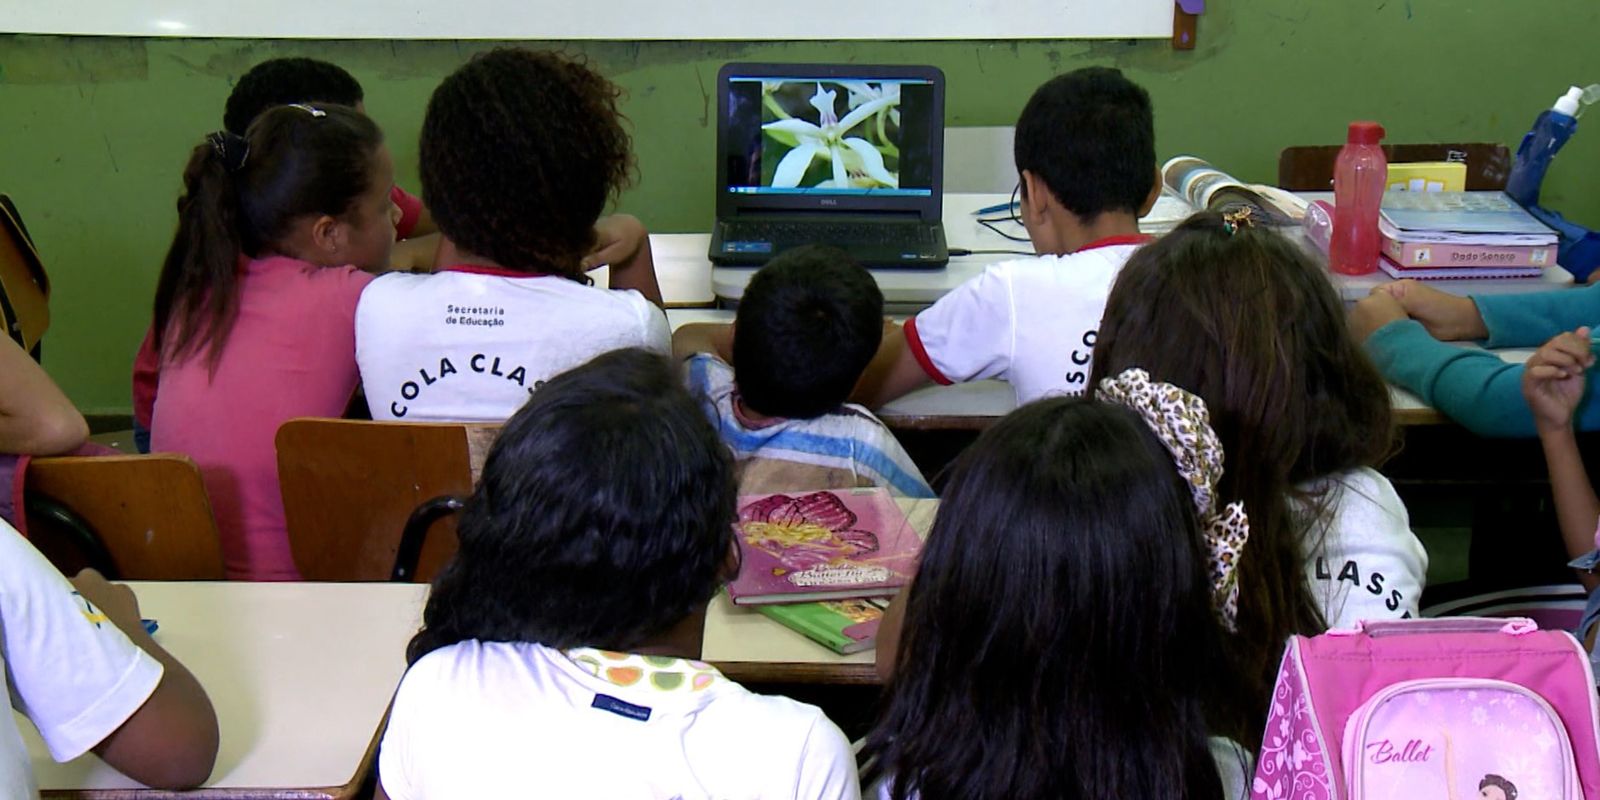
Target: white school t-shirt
469,344
1370,564
501,719
67,668
1031,322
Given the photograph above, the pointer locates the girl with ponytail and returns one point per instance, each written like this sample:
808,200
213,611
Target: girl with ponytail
277,231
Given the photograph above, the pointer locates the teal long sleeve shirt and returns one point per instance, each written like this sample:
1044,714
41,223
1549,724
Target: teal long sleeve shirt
1474,387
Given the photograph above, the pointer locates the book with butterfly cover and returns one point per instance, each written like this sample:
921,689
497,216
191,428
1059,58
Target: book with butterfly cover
827,545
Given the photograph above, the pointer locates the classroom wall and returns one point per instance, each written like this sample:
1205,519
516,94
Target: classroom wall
94,131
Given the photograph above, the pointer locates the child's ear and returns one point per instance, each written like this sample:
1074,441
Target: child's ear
1038,194
1155,194
731,561
328,236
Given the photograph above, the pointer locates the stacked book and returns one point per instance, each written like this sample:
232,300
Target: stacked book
824,563
1442,235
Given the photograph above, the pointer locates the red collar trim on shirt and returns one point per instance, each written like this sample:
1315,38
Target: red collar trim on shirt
1113,241
501,272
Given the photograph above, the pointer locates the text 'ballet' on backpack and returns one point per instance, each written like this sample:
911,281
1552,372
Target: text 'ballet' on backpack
1432,709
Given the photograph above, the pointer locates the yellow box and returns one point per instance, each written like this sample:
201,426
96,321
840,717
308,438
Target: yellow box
1428,176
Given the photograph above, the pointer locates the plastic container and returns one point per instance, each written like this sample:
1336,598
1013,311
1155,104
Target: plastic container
1551,129
1359,177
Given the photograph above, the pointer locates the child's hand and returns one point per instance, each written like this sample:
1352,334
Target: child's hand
1373,312
617,239
1447,317
115,600
1553,379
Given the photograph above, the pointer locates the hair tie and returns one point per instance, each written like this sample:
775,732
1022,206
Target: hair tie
1238,218
232,148
313,111
1183,424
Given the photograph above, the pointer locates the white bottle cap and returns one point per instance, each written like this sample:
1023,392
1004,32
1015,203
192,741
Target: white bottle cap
1569,102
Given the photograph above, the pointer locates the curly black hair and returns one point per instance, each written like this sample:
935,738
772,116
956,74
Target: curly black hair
281,81
521,151
604,516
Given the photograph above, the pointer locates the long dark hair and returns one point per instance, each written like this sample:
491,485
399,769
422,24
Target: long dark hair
1059,640
1251,324
240,196
604,516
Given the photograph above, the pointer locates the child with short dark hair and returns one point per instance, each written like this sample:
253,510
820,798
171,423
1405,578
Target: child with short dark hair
1061,636
1247,320
558,654
521,151
1085,153
807,325
255,306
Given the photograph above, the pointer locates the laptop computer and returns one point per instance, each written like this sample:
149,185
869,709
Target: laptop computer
837,154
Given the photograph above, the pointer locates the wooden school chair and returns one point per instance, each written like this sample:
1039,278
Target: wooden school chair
370,501
132,517
24,288
1309,168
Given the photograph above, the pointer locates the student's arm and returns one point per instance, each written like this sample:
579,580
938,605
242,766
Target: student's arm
893,372
622,242
424,226
35,417
968,335
1475,388
1528,320
417,254
1508,320
171,741
715,338
1553,383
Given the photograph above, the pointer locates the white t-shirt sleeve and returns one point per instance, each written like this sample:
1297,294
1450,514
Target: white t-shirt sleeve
657,334
394,752
827,765
970,334
1371,566
71,671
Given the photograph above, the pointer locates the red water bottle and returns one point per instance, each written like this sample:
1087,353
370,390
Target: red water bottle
1358,182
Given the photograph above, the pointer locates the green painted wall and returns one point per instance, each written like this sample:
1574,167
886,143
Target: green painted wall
93,131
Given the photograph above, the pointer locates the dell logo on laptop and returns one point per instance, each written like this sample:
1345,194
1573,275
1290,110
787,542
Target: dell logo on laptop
828,201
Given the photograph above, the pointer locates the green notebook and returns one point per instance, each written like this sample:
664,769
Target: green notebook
843,626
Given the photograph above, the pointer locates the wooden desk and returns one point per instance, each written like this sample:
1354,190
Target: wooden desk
300,673
748,647
975,406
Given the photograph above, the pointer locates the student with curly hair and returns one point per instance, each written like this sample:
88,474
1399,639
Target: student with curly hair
521,151
620,239
559,650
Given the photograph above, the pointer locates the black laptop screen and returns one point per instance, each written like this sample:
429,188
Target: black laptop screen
845,137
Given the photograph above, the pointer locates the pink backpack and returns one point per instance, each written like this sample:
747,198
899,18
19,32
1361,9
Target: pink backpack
1444,709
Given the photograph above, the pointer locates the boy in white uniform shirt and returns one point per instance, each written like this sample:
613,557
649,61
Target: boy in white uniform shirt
559,650
1085,151
79,664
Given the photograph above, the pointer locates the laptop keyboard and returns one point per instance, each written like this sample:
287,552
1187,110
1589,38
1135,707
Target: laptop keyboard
835,233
